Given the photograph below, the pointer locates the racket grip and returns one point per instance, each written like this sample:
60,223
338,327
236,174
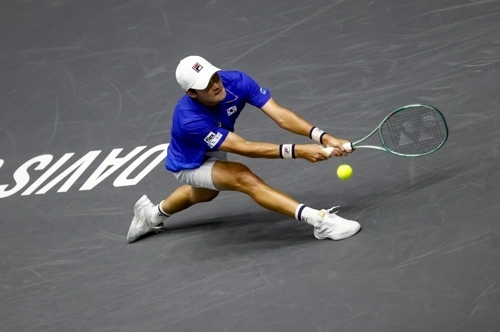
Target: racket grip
347,146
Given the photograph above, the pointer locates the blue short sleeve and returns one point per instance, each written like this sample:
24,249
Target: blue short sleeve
209,136
255,94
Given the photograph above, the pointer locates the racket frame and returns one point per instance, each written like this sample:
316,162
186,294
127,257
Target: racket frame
354,145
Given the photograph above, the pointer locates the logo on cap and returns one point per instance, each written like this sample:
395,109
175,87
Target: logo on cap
197,67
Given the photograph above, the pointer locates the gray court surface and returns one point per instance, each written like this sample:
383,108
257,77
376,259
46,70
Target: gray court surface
80,80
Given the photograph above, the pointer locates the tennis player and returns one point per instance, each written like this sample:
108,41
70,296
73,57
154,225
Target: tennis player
202,134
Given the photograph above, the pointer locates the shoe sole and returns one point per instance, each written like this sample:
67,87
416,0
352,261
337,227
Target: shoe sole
341,236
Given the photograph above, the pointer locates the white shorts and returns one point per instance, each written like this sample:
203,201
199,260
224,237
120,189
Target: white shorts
201,177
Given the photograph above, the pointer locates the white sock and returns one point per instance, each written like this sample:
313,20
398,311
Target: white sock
158,215
307,215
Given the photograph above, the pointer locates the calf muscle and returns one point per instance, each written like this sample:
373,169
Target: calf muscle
185,196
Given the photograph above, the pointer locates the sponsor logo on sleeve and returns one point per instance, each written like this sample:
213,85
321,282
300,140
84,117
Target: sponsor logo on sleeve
263,91
212,139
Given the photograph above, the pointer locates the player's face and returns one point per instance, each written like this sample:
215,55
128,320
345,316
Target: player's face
213,94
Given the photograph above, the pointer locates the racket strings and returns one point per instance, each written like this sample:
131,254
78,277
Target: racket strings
414,131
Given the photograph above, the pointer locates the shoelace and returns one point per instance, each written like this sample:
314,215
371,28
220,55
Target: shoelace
331,210
159,228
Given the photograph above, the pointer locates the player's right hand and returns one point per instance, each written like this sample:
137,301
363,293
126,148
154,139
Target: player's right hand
311,152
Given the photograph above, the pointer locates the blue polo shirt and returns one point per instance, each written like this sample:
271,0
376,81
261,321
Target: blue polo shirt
197,129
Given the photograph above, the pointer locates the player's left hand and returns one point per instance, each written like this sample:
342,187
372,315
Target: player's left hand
336,144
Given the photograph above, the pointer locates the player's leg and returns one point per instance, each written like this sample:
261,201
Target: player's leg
149,217
185,196
238,177
203,184
232,176
197,188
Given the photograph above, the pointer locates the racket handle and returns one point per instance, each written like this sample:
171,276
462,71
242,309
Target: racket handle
347,146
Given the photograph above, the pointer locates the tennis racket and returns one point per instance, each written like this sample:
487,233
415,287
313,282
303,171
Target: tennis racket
410,131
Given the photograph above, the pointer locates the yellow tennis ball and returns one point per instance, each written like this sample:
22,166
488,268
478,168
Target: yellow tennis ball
344,172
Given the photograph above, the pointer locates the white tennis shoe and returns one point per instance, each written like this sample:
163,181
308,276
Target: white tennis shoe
141,223
335,227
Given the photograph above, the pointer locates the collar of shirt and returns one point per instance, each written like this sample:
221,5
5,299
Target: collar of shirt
230,97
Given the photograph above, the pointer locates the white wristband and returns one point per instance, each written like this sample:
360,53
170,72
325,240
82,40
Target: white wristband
317,134
287,151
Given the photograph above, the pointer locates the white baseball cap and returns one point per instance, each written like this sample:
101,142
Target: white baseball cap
194,72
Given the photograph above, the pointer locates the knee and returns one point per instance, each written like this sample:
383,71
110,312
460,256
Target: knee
235,177
246,180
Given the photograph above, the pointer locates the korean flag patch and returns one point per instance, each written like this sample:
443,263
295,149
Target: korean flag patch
231,110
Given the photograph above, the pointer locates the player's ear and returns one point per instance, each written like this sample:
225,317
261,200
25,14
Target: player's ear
192,93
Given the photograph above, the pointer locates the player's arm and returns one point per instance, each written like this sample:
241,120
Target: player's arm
237,144
290,121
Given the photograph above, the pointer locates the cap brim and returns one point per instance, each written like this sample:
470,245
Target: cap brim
205,77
